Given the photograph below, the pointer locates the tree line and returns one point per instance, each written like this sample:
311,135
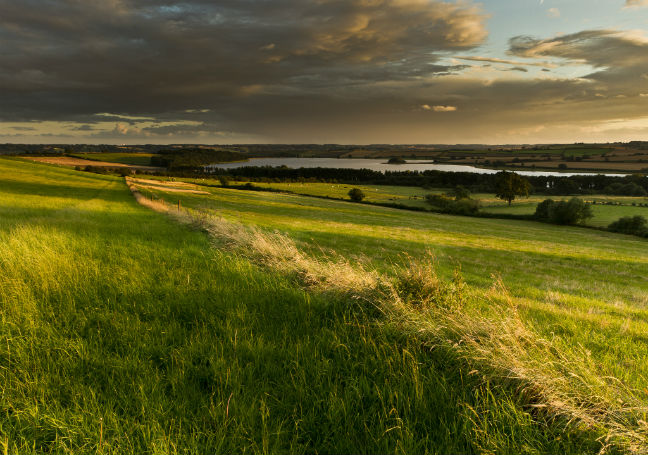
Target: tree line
631,185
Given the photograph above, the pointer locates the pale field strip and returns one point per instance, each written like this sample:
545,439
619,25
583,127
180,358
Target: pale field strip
171,187
72,162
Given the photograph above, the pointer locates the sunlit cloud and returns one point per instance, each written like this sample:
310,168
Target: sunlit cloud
636,3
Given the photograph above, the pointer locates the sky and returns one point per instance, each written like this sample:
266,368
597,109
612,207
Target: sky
323,71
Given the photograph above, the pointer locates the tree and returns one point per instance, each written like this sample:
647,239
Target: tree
224,180
459,192
509,184
356,194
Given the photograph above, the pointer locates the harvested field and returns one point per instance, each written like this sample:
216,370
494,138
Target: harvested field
71,162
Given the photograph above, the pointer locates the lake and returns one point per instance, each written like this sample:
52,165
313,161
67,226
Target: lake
382,166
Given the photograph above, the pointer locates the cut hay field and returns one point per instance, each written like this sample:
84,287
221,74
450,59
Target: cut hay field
125,330
136,159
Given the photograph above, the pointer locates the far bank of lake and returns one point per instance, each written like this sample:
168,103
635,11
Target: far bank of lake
382,166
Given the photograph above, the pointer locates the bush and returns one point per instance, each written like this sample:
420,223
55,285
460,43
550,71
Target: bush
124,171
459,192
446,204
574,211
543,210
633,225
356,195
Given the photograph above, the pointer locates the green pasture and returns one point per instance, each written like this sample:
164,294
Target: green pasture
604,214
588,286
125,332
415,197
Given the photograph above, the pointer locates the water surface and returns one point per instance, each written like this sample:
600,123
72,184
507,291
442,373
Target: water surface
382,166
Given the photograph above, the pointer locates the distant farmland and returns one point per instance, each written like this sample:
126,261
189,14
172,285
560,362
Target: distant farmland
137,159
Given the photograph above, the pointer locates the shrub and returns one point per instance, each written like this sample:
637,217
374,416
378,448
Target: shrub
446,204
356,194
124,171
574,211
633,225
459,192
543,210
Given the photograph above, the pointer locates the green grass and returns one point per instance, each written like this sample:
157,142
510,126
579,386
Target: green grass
415,197
603,214
126,332
549,269
136,159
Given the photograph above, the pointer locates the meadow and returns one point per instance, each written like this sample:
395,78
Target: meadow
126,330
604,214
577,287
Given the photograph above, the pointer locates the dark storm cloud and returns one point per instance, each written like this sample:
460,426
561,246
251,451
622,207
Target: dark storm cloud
66,59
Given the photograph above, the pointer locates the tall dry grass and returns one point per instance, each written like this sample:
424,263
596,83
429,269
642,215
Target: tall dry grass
553,378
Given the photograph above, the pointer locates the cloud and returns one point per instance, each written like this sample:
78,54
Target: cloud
636,3
506,62
553,12
132,61
299,71
598,48
444,108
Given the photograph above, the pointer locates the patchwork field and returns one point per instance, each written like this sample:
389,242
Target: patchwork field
241,321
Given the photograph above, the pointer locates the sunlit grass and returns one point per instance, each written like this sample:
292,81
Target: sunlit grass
125,332
586,285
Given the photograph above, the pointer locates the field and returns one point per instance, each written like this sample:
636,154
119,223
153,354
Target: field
603,214
415,197
127,330
70,161
136,159
544,267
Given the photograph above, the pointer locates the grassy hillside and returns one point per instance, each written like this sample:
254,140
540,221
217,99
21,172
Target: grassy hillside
577,287
126,332
415,197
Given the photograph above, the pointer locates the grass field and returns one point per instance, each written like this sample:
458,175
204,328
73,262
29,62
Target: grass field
126,332
603,214
136,159
577,287
415,197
